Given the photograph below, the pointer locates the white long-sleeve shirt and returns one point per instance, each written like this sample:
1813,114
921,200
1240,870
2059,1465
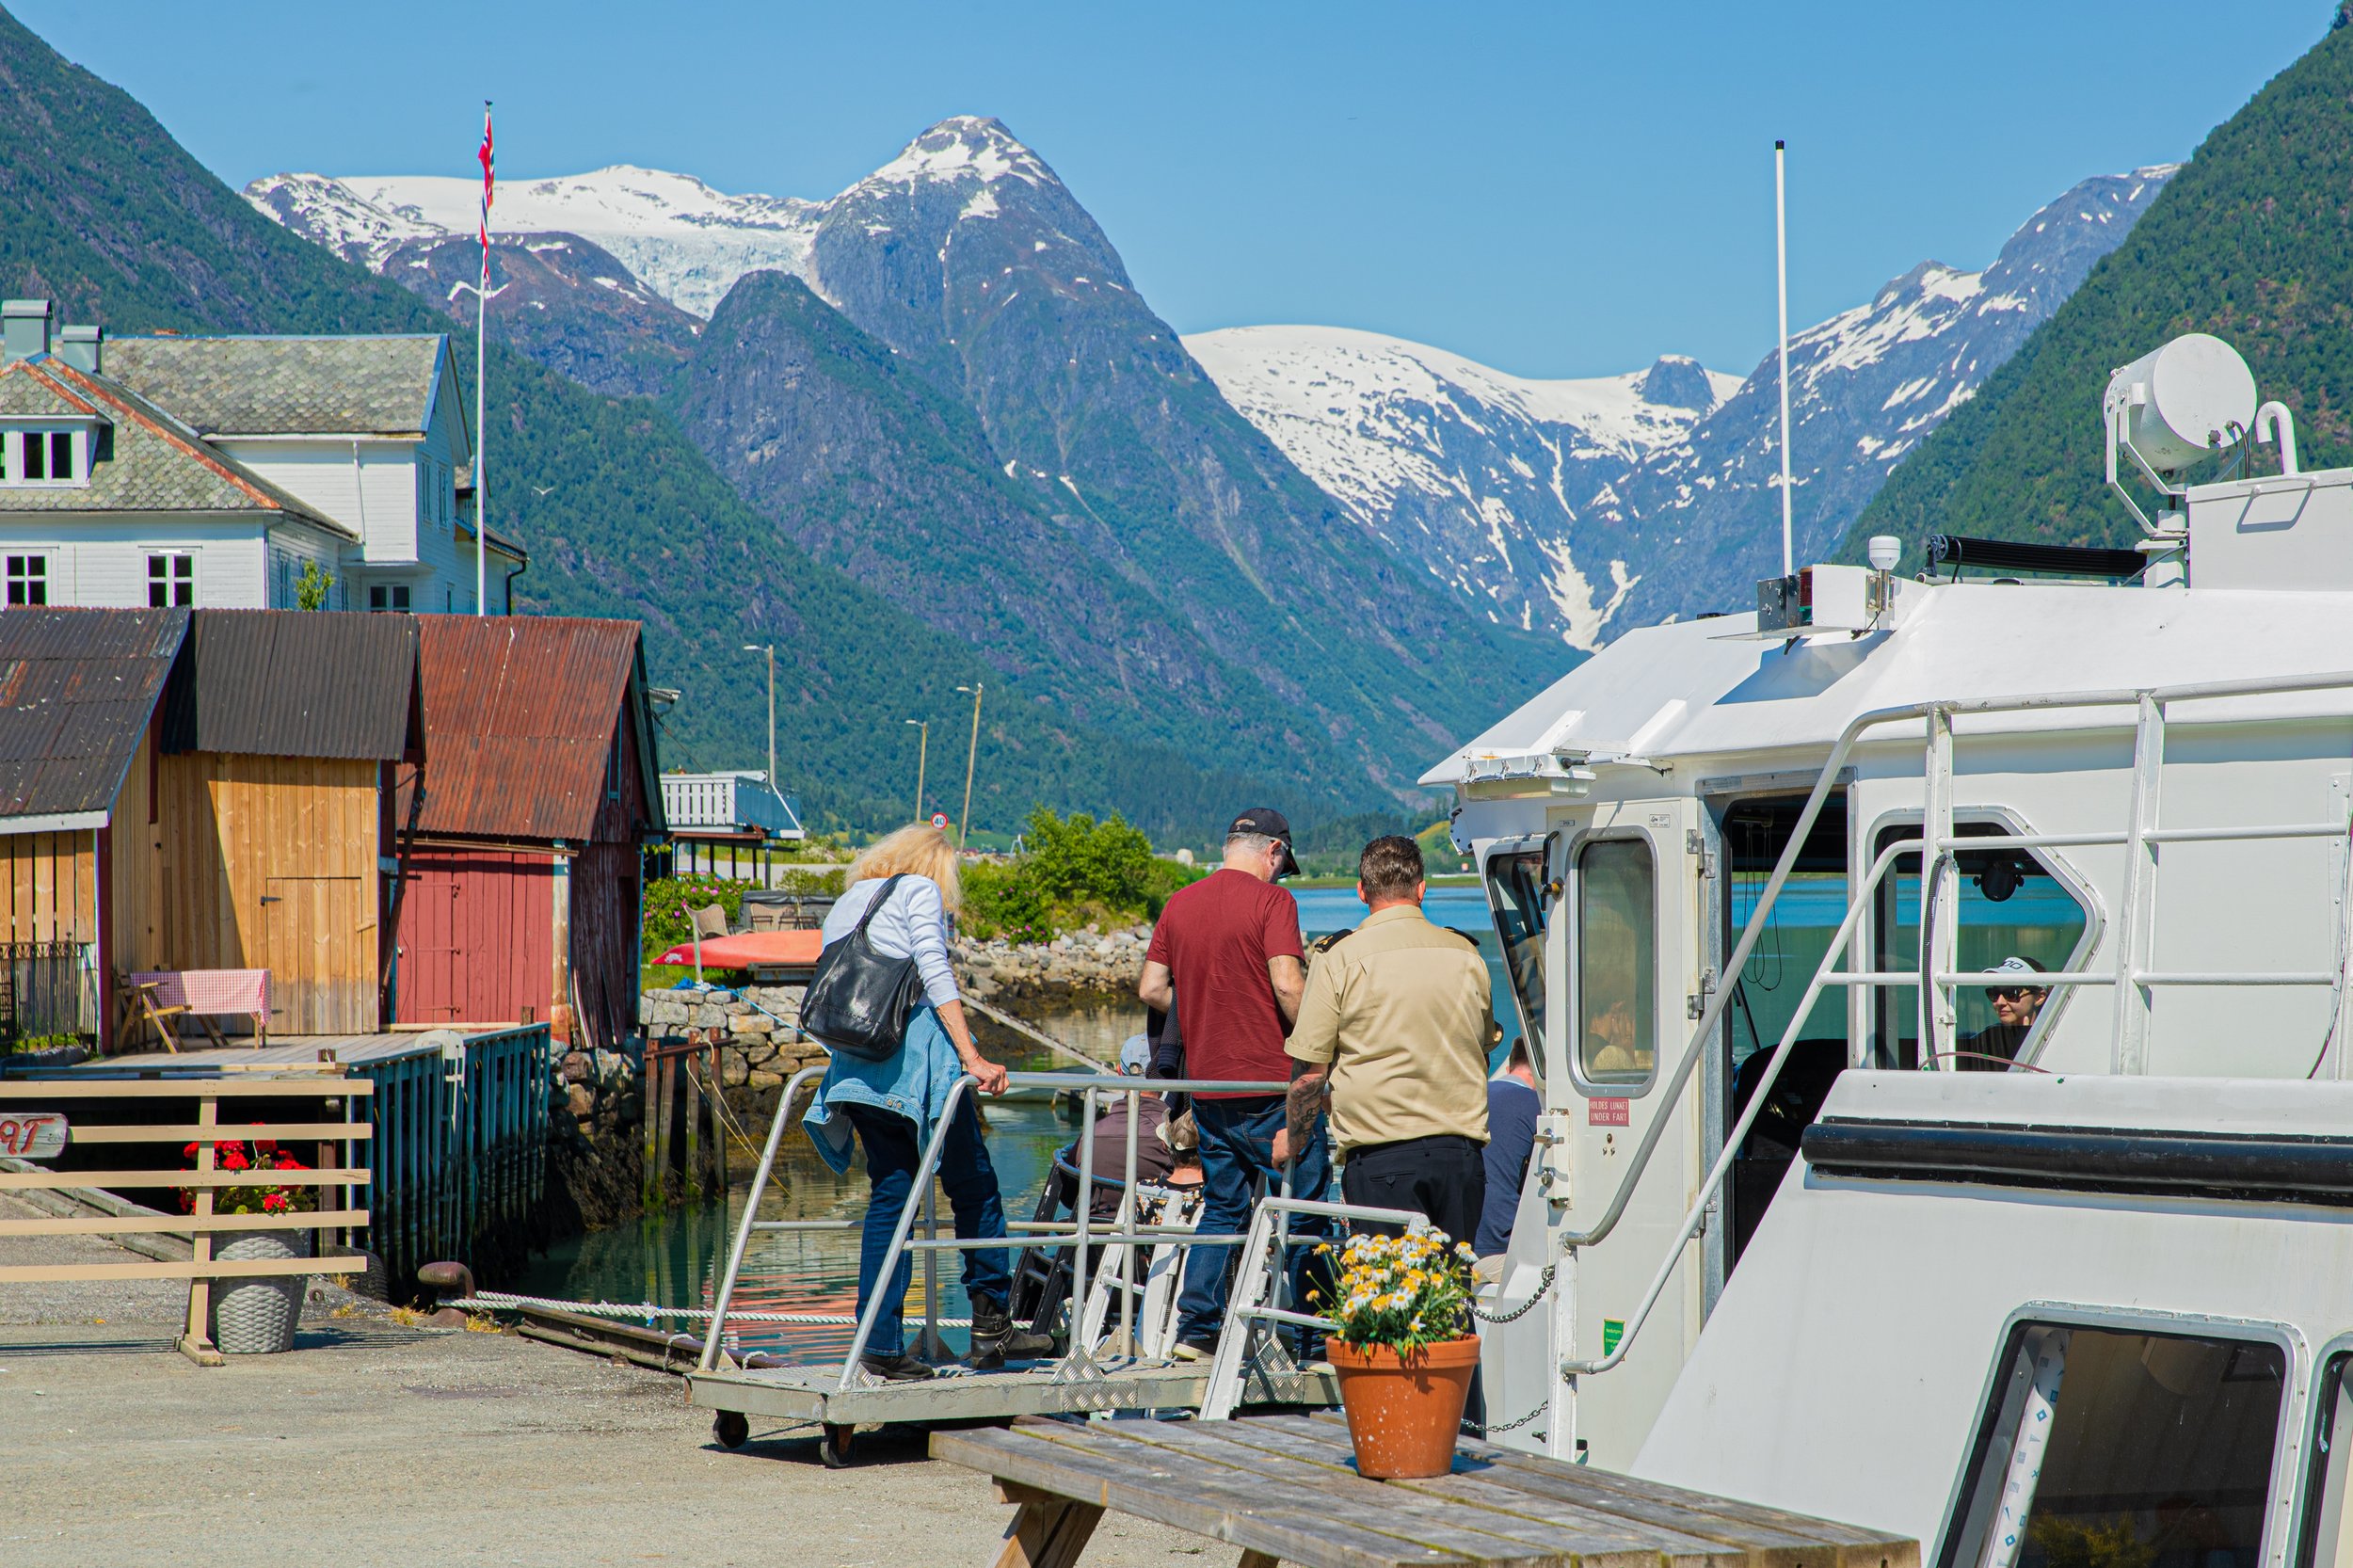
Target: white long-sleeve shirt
914,921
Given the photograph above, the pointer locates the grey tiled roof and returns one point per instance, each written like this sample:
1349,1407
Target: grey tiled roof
148,461
284,386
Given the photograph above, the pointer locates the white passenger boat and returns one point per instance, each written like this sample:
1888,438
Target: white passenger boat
1807,1224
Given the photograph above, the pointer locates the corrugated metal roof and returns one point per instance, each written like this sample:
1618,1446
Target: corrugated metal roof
296,684
76,690
284,386
520,716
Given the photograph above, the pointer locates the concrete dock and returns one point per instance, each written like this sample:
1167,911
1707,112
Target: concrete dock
375,1442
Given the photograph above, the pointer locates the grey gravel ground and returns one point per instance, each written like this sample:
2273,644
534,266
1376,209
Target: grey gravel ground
373,1443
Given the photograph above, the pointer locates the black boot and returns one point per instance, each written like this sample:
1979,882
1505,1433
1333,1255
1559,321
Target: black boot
896,1368
995,1338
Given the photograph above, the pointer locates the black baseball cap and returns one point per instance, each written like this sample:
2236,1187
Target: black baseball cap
1266,820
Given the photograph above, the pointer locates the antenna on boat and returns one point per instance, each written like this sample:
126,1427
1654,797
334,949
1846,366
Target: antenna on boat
1781,256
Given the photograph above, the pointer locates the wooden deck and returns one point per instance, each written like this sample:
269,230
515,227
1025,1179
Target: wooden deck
1285,1489
810,1393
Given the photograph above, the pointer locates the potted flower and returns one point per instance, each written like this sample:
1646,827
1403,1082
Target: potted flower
253,1316
1402,1351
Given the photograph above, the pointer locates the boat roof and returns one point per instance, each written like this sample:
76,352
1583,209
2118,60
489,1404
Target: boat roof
1708,687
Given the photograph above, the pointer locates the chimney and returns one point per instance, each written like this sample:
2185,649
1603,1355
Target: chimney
23,329
80,346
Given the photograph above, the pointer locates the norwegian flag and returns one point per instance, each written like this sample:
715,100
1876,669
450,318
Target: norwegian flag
488,164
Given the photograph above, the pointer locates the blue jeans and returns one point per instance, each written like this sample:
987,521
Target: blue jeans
894,1147
1237,1146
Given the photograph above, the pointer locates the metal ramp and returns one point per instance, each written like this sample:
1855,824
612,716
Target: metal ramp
1124,1289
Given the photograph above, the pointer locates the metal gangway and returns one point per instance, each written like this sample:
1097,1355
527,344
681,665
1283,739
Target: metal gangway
1130,1271
2133,975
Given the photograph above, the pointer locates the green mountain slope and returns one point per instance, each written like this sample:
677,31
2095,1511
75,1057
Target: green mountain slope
112,218
2252,241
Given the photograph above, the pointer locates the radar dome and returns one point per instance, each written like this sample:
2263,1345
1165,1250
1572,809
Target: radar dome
2189,398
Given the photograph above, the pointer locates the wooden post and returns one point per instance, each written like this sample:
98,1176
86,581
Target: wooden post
693,1120
666,1082
719,1117
646,1116
196,1345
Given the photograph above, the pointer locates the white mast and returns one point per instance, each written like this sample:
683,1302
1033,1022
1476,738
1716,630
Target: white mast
481,374
1781,255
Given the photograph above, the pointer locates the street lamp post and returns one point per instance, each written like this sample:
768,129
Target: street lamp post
922,750
770,649
964,828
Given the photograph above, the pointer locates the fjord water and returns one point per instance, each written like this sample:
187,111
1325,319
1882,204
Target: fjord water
674,1258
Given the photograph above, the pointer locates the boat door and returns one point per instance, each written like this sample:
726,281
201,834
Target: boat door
1629,972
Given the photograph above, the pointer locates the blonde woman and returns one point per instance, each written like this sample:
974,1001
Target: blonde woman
892,1106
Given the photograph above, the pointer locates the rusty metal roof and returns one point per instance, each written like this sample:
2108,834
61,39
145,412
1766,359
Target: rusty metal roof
77,688
521,713
296,684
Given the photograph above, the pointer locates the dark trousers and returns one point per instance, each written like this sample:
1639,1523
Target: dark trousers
894,1147
1443,1177
1237,1147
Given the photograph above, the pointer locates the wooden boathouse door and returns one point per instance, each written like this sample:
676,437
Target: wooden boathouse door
318,942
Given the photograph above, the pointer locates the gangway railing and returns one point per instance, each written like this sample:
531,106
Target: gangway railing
1937,973
1081,1237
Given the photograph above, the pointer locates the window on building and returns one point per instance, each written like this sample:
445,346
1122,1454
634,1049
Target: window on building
2112,1447
171,581
388,596
1617,964
29,580
40,456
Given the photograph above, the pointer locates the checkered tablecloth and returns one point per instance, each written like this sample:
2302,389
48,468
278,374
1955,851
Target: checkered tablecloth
210,991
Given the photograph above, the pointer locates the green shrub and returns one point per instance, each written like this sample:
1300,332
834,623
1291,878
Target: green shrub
668,899
1074,869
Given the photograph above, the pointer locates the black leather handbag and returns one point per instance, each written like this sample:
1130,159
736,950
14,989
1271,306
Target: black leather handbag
858,1001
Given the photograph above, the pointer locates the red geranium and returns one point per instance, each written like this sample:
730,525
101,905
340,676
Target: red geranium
265,1198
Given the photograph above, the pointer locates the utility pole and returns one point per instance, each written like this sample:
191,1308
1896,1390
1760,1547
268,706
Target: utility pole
964,828
922,749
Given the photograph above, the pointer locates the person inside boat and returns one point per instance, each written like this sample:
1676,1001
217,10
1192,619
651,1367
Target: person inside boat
2016,1005
1154,1159
1513,1107
1226,954
892,1104
1396,1021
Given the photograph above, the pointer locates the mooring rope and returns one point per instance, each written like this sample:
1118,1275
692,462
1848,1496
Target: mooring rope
495,1300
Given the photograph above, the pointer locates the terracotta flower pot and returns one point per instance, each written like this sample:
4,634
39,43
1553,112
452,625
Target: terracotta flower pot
1404,1409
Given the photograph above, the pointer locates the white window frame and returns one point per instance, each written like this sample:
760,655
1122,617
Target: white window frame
79,444
2298,1382
169,555
11,578
1572,909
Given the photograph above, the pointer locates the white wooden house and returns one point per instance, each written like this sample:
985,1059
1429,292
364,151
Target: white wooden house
175,471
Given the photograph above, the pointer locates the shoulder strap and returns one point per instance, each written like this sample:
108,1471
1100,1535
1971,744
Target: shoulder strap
882,896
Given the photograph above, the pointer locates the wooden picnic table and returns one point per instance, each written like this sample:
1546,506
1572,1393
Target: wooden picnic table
1285,1489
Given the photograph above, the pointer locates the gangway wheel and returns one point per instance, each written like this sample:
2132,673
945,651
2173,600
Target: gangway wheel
836,1445
731,1428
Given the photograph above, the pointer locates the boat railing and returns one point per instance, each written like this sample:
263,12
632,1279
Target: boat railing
1080,1237
1938,971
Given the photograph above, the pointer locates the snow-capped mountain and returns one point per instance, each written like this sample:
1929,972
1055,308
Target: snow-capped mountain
1584,507
684,240
1478,476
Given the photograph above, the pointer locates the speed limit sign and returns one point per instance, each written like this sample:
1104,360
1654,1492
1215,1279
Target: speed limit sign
940,819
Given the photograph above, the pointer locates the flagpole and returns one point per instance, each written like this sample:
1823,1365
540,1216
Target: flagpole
1781,268
481,374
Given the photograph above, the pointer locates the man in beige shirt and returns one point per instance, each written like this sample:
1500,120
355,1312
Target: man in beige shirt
1395,1026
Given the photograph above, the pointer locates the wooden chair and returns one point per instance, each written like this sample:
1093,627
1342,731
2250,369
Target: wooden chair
140,1009
711,921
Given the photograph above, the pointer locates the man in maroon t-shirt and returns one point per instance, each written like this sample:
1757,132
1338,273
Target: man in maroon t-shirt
1227,950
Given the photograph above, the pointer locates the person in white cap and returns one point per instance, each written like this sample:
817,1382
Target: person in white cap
2016,1004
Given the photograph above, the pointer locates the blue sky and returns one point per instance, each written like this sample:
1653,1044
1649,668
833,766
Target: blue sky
1563,189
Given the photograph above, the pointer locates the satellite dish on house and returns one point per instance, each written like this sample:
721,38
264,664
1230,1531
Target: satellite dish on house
2187,400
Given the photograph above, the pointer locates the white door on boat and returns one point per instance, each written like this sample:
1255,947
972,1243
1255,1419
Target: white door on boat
1628,973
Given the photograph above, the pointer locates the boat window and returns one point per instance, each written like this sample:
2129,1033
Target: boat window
1617,967
2328,1522
2114,1448
2012,905
1515,892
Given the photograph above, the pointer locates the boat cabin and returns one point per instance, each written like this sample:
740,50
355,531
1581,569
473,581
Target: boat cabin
2033,814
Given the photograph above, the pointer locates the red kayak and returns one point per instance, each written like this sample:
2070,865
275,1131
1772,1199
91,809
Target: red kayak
752,949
